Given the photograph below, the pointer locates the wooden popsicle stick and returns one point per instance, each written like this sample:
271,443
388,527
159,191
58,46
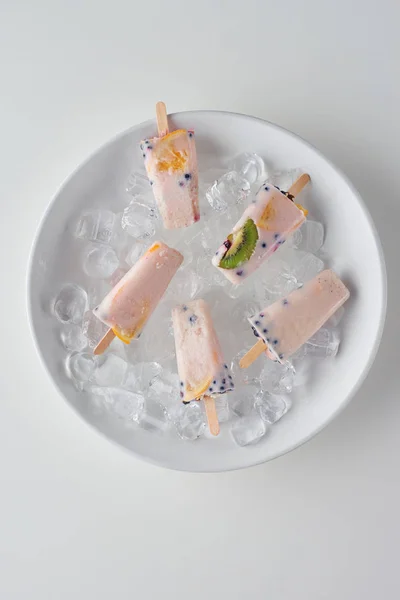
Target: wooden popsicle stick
162,119
252,354
211,413
104,342
299,184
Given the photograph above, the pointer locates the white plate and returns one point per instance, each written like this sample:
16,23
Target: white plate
350,238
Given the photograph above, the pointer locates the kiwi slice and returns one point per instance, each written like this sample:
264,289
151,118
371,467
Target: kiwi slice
240,246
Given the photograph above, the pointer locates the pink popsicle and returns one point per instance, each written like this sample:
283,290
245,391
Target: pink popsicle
171,166
130,303
287,324
276,217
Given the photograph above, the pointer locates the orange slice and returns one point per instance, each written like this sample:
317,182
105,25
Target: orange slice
199,391
268,214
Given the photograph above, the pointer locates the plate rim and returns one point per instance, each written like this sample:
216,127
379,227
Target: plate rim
383,292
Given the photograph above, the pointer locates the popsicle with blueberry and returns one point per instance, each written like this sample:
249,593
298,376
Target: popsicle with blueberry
128,306
202,371
171,165
264,226
288,323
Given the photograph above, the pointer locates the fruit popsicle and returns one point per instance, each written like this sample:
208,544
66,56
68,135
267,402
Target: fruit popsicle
128,306
171,166
287,324
202,371
263,228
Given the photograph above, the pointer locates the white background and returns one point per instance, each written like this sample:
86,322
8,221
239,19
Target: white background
82,519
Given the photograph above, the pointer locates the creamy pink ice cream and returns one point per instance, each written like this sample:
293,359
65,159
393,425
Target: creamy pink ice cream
287,324
276,217
171,166
201,367
130,303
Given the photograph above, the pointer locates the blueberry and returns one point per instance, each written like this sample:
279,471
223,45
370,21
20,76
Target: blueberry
257,323
264,244
181,383
266,188
261,315
210,389
275,342
149,147
144,156
222,389
215,382
224,381
184,308
276,235
181,394
265,330
181,184
285,301
225,366
240,273
190,133
151,182
255,332
188,176
281,356
193,319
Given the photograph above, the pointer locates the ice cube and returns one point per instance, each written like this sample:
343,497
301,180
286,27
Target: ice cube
70,304
72,338
139,221
80,366
277,378
140,375
249,375
222,407
250,166
189,421
100,262
230,189
323,344
154,416
97,292
271,407
93,329
135,251
110,371
96,226
303,265
249,430
309,237
284,179
165,389
241,400
123,404
185,285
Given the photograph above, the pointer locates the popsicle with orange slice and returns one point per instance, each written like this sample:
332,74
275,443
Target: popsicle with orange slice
171,165
202,372
128,306
264,226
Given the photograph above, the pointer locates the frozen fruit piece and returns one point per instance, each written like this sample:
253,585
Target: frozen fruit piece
240,246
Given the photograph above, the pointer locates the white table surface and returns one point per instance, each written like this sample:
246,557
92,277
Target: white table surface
79,517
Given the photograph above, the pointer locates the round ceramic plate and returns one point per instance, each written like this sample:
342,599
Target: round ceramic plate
350,238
